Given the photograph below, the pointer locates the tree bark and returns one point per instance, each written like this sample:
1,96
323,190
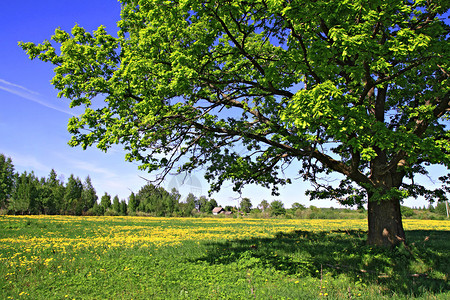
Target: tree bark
385,223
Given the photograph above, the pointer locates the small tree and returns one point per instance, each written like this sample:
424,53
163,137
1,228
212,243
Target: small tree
6,180
24,199
116,204
132,204
213,204
98,210
441,208
277,208
46,197
190,205
123,208
89,196
105,202
203,204
72,196
407,211
298,206
264,205
229,208
58,190
246,205
206,205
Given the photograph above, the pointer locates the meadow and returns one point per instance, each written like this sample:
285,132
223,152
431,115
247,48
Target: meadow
68,257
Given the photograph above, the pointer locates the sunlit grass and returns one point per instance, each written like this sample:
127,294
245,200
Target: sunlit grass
141,258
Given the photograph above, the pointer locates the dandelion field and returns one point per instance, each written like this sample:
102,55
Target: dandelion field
65,257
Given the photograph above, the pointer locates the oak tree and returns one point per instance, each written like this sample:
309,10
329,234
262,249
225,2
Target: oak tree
360,88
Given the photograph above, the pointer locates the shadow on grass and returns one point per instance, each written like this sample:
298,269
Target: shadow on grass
420,268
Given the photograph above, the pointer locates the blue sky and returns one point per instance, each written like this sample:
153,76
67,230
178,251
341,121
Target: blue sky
33,120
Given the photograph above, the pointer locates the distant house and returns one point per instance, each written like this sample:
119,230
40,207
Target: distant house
218,210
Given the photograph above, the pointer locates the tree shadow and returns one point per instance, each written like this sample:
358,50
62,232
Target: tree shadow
421,267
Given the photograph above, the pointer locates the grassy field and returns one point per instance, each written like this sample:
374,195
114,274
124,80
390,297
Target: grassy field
61,257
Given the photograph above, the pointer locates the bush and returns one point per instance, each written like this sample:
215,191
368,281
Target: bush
255,214
90,212
142,214
111,212
300,214
441,209
407,211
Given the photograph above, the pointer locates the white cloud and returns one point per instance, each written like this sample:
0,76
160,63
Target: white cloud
26,162
19,87
90,168
115,181
121,186
25,93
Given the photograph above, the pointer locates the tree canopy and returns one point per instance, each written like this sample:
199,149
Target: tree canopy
355,87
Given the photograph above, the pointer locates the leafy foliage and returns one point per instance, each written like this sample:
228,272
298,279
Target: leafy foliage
295,77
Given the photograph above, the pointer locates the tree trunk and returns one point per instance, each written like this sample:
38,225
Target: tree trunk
385,223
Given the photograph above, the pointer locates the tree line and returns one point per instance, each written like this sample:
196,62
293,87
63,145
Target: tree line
26,193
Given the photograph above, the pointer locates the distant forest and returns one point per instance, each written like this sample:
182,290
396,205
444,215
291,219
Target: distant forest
27,194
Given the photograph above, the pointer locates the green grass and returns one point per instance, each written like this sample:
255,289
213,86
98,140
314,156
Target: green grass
85,260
